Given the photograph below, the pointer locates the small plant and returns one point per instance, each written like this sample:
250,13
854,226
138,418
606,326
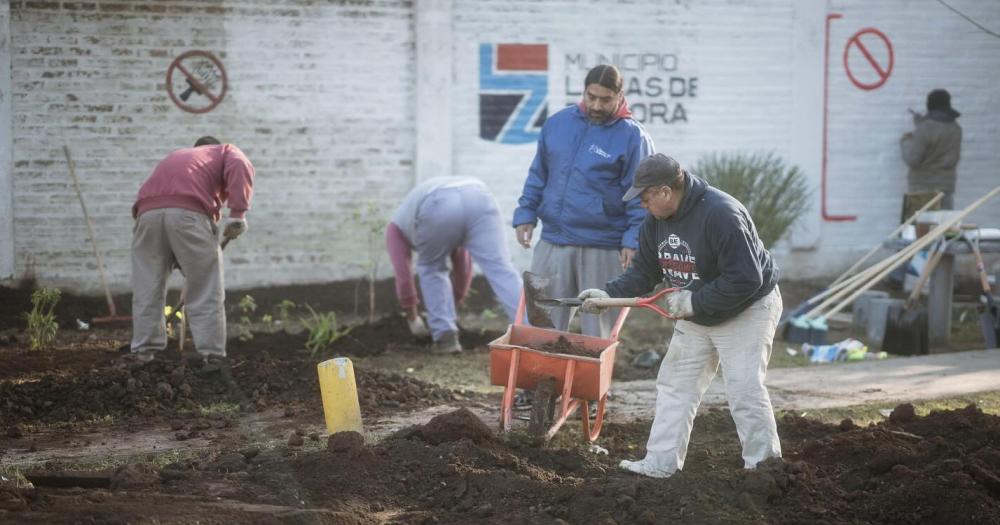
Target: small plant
244,328
372,221
284,308
269,325
323,330
42,325
775,194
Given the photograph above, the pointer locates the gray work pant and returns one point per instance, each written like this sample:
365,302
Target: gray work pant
465,216
572,269
161,237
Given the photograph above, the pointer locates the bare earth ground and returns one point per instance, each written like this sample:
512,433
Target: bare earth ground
159,442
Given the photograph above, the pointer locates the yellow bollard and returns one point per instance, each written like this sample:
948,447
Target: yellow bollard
340,395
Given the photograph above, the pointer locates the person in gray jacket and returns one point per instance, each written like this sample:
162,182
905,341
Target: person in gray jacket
442,219
933,148
702,241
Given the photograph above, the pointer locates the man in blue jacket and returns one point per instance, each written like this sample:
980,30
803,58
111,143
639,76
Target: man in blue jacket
702,240
587,155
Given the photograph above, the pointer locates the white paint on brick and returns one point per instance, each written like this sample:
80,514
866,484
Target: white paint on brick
434,94
6,145
343,103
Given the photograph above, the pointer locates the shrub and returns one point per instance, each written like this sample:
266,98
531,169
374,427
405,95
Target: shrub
775,194
42,325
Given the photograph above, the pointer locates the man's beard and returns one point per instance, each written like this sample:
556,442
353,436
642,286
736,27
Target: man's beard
598,117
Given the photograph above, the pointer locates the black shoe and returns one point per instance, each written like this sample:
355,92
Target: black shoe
212,365
523,400
647,359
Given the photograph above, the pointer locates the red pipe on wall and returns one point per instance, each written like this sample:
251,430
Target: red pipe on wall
826,96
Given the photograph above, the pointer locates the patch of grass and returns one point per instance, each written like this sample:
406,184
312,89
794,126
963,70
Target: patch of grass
862,415
11,476
323,330
222,407
105,419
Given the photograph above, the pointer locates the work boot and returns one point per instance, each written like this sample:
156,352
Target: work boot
644,468
144,356
446,344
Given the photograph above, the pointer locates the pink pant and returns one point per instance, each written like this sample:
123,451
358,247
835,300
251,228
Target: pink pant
401,255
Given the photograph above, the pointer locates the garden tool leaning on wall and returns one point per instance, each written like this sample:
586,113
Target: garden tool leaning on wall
989,317
907,325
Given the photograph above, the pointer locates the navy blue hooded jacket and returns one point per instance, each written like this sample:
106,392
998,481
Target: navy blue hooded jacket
578,178
710,247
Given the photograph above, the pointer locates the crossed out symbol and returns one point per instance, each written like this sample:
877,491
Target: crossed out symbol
204,76
881,71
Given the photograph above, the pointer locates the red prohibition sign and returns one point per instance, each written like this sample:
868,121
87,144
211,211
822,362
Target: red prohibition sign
882,71
208,81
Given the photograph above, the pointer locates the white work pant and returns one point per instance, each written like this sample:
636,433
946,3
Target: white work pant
161,237
743,346
466,216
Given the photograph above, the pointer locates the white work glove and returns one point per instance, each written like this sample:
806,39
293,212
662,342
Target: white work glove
588,307
417,327
679,304
234,228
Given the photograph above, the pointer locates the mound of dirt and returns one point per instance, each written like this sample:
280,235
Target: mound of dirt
942,468
453,426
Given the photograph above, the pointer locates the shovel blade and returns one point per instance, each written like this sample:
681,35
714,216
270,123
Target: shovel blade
535,287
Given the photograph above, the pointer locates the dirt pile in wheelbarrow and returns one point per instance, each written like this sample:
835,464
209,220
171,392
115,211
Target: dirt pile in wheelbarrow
564,346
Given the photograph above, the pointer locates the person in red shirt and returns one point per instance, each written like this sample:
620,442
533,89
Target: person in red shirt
176,215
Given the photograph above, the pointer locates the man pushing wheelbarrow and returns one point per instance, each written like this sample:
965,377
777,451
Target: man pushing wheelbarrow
702,241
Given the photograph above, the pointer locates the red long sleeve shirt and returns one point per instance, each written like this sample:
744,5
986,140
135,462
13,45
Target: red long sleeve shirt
200,179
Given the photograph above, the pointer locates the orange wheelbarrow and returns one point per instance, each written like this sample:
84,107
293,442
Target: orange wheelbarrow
516,363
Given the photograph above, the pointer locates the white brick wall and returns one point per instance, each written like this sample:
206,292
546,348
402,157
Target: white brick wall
759,66
322,98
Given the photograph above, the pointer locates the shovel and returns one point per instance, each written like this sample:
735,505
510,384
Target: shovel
907,325
989,317
534,290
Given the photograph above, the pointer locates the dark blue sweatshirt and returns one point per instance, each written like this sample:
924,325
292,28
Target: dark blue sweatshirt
710,247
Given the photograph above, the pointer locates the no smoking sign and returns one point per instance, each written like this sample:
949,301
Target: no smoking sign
868,58
196,81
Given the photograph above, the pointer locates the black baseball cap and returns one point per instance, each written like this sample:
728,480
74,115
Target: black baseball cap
655,170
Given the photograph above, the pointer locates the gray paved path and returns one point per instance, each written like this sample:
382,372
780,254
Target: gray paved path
826,386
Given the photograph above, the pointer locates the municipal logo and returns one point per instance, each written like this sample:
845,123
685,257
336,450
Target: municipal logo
513,91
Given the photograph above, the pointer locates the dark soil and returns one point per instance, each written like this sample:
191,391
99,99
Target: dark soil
564,346
942,468
343,297
391,333
91,381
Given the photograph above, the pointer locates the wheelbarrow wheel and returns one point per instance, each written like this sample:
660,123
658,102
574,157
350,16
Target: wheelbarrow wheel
543,407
